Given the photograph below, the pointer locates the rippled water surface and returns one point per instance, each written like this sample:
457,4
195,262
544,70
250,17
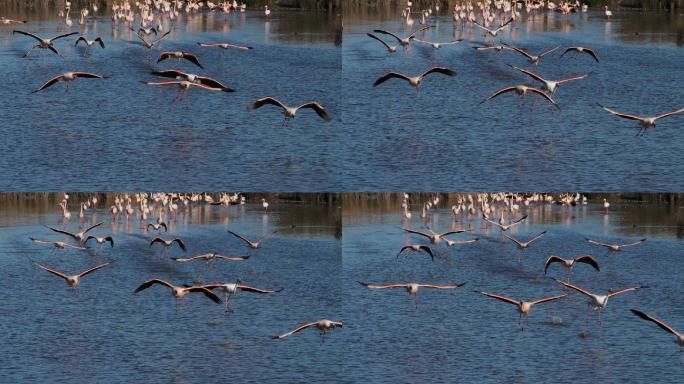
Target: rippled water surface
443,139
105,333
119,134
462,336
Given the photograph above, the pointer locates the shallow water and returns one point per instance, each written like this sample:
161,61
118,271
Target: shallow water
443,139
459,335
106,333
118,134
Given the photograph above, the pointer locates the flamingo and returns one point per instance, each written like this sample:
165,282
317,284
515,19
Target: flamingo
66,77
390,48
229,289
434,237
550,85
225,46
451,243
203,80
78,236
493,32
524,307
412,288
570,263
588,51
614,247
210,257
290,112
252,244
405,41
43,43
58,244
413,80
526,244
599,302
323,326
158,226
72,280
645,122
100,240
521,90
168,243
179,55
179,292
417,248
438,45
533,59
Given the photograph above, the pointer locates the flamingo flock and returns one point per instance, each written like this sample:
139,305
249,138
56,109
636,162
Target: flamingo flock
497,19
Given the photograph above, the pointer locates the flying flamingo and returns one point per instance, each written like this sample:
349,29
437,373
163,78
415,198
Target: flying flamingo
614,247
179,292
210,257
180,55
570,263
78,236
168,243
551,85
526,244
100,240
290,112
599,302
412,288
417,248
390,48
225,46
252,244
72,280
434,237
524,307
229,289
493,32
645,122
90,43
413,80
581,50
521,90
323,326
180,75
66,78
58,244
534,60
403,41
43,43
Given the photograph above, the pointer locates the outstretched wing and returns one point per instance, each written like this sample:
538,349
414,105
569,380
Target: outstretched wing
588,260
620,114
48,84
102,222
502,298
264,101
549,51
387,33
669,114
53,271
590,241
390,75
372,36
292,332
93,269
63,36
152,282
413,35
576,288
206,293
27,34
63,232
531,74
447,286
442,70
572,78
493,95
256,290
544,95
375,286
417,233
240,237
550,298
660,323
192,58
615,293
550,260
181,244
320,111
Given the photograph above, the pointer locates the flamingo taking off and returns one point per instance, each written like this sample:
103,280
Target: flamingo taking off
405,41
158,226
210,257
225,46
417,248
438,45
100,240
493,32
252,244
180,55
168,243
570,263
526,244
599,302
229,289
521,90
533,59
524,307
90,43
323,326
290,112
412,288
151,44
72,280
44,43
413,80
58,244
390,48
613,247
180,75
551,85
78,236
66,77
434,237
645,122
588,51
179,292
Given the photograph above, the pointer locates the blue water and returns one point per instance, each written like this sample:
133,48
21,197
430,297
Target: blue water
462,336
443,139
118,134
105,333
